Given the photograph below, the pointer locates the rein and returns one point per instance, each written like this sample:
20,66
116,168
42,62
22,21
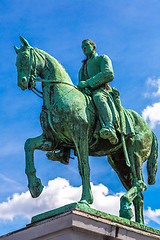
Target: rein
55,82
48,81
37,93
34,79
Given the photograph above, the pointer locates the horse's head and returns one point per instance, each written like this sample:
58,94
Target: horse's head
24,64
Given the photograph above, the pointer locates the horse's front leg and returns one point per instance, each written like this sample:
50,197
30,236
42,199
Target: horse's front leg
34,184
81,144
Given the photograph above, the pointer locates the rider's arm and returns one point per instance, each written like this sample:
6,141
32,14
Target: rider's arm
104,76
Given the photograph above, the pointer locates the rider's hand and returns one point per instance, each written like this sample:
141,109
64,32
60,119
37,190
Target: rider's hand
83,84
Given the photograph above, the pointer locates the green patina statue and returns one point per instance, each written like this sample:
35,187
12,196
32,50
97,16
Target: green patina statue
91,121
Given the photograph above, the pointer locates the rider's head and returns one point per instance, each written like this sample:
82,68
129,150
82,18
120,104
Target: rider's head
88,47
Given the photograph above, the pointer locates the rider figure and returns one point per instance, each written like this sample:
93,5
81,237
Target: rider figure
94,76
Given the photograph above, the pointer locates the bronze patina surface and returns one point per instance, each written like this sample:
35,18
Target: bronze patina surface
91,121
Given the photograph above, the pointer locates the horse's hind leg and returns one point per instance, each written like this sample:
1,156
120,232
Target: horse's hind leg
127,199
138,205
34,184
138,201
138,185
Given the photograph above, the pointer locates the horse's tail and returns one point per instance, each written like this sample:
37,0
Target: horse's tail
152,161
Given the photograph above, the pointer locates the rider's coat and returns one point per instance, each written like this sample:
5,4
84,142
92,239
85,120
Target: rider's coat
98,72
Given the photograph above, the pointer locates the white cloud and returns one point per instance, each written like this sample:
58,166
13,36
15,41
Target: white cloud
153,215
155,83
153,88
105,202
152,113
58,193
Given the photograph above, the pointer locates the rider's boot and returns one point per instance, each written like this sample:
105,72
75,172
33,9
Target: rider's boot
107,115
109,132
62,156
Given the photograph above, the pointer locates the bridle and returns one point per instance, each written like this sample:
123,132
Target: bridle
32,74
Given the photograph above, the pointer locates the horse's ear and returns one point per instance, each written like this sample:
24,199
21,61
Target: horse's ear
24,41
16,49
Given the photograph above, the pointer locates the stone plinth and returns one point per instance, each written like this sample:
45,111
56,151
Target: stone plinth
77,224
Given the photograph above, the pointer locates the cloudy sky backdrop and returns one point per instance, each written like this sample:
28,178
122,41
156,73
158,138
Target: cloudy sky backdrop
129,33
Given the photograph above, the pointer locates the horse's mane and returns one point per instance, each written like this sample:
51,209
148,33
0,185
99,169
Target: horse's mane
58,68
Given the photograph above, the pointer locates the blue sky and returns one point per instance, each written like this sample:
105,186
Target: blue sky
128,32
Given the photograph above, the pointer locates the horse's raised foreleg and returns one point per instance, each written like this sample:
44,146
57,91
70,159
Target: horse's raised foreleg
34,184
81,144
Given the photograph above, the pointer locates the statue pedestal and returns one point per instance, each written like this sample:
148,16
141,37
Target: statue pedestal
77,224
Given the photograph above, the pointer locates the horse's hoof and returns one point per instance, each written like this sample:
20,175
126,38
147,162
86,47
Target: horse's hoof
126,213
90,200
84,202
36,188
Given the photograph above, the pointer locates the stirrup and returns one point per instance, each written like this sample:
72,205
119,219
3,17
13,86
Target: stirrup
109,134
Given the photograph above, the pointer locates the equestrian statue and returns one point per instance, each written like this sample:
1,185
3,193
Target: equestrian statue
90,120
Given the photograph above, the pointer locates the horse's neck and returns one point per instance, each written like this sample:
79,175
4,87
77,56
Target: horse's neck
53,71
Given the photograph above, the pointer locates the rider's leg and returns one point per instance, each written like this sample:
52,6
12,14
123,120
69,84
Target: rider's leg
106,117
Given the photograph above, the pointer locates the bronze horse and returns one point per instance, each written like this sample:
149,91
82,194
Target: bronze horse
68,120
